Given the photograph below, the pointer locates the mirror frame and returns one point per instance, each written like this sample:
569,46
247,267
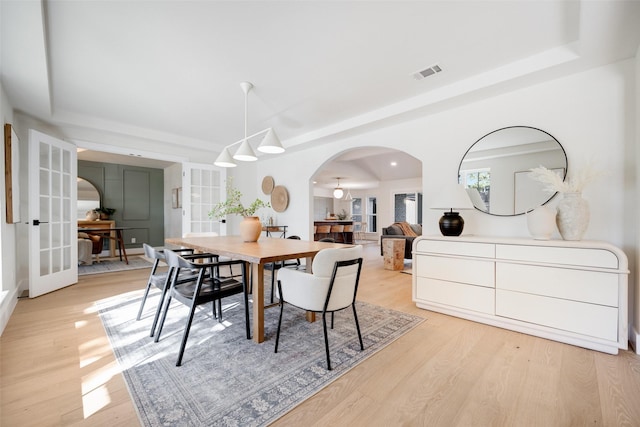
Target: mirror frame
564,177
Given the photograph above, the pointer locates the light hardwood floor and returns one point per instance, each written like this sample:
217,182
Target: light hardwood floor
57,369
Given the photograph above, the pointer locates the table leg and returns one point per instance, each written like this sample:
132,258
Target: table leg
311,315
258,302
121,249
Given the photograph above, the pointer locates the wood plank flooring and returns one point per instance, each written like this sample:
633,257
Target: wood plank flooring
57,369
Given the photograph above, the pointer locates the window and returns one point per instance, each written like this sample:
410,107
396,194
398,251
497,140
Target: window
407,207
371,215
480,179
356,209
368,215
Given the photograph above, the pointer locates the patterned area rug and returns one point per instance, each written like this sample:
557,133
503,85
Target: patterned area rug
109,266
226,379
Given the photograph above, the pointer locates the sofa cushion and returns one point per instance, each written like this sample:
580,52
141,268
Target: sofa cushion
394,230
417,228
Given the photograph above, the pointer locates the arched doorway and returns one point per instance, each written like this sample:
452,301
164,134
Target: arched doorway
374,180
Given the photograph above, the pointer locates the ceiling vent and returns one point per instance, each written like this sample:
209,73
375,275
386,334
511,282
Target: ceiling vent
427,72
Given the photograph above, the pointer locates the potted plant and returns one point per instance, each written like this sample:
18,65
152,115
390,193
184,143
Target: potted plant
250,227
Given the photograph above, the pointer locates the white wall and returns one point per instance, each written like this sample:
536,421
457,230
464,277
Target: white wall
588,113
9,289
172,217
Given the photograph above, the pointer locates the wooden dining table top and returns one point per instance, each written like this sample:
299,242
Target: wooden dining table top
266,250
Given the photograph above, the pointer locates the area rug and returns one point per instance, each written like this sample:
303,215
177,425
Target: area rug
109,266
225,379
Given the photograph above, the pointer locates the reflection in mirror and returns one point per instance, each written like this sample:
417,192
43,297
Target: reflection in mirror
495,170
88,198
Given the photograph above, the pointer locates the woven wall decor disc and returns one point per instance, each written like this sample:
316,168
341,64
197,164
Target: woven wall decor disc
279,198
267,184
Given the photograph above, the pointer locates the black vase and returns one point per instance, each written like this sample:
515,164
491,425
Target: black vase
451,224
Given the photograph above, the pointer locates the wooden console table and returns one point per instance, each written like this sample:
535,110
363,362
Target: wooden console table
282,229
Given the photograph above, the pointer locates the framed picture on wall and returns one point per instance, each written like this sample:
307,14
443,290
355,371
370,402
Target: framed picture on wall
529,193
11,173
176,198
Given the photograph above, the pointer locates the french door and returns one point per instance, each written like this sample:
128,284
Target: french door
202,187
53,251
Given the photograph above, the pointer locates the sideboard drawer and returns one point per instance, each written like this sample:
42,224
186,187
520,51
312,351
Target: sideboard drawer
585,257
457,295
578,285
470,271
577,317
446,247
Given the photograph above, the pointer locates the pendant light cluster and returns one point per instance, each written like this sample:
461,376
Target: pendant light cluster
270,143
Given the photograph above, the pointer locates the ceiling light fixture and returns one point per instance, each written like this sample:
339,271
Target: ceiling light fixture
338,192
270,143
348,196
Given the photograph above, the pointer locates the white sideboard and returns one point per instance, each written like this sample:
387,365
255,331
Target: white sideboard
572,292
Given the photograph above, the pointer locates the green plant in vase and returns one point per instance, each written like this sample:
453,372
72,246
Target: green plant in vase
250,227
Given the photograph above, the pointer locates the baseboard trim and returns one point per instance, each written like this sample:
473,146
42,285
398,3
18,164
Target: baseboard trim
634,339
8,302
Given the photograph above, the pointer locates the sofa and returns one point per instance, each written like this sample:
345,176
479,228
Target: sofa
400,231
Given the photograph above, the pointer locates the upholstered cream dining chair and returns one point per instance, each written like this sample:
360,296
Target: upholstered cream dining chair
331,287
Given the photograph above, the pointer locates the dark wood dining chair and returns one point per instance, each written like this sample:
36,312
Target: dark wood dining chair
160,279
275,266
205,287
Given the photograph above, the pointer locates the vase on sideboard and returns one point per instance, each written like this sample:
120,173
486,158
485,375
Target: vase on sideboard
541,222
573,216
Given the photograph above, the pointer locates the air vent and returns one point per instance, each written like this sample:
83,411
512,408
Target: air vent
427,72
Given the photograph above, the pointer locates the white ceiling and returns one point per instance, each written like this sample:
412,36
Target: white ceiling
167,73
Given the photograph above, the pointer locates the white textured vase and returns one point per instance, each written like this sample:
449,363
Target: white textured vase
250,229
541,222
573,216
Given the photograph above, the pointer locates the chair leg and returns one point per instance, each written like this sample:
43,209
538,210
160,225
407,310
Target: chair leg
164,316
185,335
144,299
163,295
355,316
326,339
280,318
273,280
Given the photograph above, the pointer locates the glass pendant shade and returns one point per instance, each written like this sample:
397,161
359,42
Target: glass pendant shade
338,193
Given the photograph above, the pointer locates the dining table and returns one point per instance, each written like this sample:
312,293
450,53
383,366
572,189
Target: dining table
258,254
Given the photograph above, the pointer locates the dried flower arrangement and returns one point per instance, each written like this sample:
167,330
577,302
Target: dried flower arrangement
574,183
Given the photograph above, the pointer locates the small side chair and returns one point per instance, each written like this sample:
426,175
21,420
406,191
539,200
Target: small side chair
331,287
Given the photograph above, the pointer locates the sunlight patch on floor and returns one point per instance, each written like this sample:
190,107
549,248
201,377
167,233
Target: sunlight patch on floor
95,400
